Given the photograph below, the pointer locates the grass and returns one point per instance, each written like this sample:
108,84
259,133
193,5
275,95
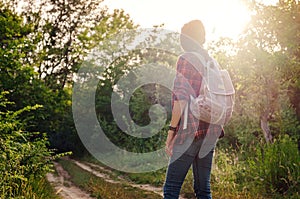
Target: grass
155,178
223,184
223,189
101,189
234,177
37,189
45,190
220,191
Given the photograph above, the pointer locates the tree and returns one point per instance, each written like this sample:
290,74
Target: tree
119,59
25,157
264,67
274,36
64,32
61,34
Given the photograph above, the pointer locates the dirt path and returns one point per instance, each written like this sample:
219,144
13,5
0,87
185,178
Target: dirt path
103,173
62,185
97,172
67,190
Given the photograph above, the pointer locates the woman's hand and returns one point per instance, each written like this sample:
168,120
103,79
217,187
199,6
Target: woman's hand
170,142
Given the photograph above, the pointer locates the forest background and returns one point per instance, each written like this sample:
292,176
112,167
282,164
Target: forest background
44,45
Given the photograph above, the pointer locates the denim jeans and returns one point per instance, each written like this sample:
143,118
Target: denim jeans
185,155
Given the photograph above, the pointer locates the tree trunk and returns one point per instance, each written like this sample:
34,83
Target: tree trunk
265,128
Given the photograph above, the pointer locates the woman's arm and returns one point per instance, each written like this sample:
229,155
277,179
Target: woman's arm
181,96
177,110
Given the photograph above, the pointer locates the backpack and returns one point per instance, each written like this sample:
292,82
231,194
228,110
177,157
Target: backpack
216,99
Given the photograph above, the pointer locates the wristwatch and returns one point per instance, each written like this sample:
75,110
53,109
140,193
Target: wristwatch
172,128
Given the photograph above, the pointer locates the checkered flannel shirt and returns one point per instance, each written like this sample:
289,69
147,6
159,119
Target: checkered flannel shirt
188,82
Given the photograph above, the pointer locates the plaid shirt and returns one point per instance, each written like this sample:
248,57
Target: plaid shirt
188,82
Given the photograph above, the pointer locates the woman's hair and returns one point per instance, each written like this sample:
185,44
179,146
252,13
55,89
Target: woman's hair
192,35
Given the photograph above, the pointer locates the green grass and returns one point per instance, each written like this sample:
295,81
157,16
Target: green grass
34,189
237,174
101,189
43,189
155,178
224,190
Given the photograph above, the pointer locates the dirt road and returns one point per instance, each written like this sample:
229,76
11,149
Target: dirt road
63,187
67,190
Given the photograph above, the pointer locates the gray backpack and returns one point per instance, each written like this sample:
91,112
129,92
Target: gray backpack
216,99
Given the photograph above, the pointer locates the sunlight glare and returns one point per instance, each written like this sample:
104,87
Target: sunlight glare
226,19
222,18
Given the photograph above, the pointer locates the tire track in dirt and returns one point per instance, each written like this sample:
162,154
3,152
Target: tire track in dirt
63,186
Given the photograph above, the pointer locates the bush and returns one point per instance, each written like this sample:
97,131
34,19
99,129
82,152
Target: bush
260,171
275,168
24,156
228,174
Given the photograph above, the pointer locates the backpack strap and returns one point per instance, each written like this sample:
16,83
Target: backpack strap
203,73
200,57
185,116
203,62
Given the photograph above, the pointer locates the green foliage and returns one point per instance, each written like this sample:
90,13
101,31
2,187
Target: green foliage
154,178
275,168
64,32
26,90
43,48
264,66
228,175
139,105
262,171
24,156
277,29
15,76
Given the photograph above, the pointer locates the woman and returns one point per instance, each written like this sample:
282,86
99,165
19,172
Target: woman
186,134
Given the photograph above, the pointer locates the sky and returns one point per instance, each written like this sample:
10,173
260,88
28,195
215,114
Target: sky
222,18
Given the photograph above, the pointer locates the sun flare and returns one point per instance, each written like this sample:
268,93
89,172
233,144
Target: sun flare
225,18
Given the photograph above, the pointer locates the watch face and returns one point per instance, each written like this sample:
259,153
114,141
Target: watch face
172,128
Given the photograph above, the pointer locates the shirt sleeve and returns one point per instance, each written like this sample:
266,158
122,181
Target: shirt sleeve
182,87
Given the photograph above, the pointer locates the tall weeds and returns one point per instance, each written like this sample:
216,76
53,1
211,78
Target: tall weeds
264,171
24,156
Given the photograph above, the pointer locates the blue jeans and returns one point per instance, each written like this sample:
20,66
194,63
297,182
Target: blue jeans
183,157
